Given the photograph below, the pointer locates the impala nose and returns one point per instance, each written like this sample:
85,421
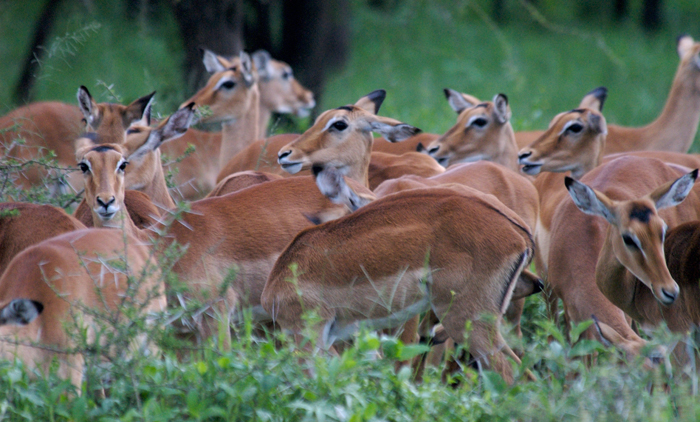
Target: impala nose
283,154
104,204
524,155
433,150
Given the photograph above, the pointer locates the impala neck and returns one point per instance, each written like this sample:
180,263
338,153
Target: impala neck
508,154
238,134
358,169
264,116
157,189
675,129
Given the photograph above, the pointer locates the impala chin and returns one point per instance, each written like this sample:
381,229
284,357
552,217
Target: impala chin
532,169
443,161
291,168
305,111
107,214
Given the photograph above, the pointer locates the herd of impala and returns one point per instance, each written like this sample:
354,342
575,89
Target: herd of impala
370,231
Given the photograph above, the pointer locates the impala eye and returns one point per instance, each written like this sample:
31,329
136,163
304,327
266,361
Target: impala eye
132,130
84,167
339,125
575,128
228,85
287,75
123,165
480,122
630,242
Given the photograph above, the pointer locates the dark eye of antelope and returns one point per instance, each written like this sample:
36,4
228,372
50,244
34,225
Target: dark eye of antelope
228,85
123,165
84,168
575,128
629,242
132,130
339,125
480,122
287,75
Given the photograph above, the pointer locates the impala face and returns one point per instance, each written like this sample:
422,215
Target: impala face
279,90
636,234
342,135
573,142
476,134
103,169
230,91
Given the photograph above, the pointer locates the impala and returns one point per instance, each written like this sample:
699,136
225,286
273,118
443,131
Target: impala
639,199
349,270
55,126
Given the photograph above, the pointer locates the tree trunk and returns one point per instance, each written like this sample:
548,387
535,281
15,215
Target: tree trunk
651,15
42,29
620,10
315,39
213,24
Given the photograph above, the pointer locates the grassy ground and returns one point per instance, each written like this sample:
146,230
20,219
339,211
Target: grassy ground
413,51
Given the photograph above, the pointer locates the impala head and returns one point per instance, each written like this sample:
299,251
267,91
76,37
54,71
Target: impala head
231,90
689,68
279,90
482,130
636,230
574,142
342,137
110,121
103,168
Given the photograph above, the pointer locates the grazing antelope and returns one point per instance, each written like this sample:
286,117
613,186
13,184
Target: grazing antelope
350,271
589,269
55,126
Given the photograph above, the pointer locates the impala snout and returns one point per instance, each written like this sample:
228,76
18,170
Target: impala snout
305,109
106,206
288,165
668,295
434,151
530,167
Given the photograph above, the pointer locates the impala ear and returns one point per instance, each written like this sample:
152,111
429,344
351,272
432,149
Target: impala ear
684,44
589,201
139,111
501,108
597,122
333,186
372,101
458,101
594,99
247,69
87,105
20,312
263,64
212,62
175,126
527,284
673,193
392,130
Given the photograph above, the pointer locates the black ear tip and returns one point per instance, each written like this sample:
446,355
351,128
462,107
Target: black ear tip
420,147
190,106
202,50
39,306
505,97
316,169
447,92
694,174
568,181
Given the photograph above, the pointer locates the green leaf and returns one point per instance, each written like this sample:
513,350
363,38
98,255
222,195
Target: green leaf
412,350
579,328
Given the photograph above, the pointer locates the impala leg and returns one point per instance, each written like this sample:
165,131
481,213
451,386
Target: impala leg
409,335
